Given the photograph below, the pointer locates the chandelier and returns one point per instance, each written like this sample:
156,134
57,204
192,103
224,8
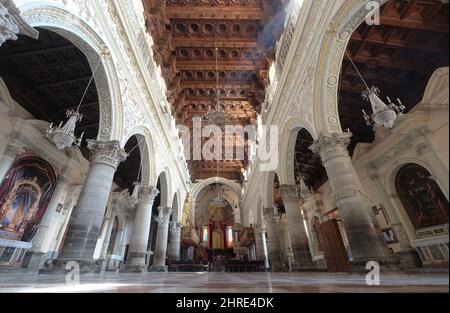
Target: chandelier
218,116
382,114
218,198
63,136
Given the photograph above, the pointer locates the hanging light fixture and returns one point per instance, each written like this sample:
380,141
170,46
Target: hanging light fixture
218,116
63,136
382,114
303,190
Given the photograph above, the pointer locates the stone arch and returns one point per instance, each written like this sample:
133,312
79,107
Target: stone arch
213,180
389,185
287,149
345,22
436,91
56,18
177,207
6,102
147,150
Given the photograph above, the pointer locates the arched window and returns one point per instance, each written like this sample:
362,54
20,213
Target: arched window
24,196
421,196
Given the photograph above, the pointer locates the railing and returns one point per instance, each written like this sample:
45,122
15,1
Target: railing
190,237
12,252
432,244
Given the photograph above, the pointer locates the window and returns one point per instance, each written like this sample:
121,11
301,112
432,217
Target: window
422,198
230,236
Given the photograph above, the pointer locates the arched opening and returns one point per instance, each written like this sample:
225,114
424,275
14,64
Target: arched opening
47,77
129,172
277,197
113,237
24,196
421,196
398,58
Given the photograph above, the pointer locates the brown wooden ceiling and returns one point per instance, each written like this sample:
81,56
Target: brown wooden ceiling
47,77
399,56
186,34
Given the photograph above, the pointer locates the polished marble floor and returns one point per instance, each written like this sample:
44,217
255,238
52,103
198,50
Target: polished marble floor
225,283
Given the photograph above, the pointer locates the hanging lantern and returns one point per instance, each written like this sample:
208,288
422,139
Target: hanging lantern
64,136
383,114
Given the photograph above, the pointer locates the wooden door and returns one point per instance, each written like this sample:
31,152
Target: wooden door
333,247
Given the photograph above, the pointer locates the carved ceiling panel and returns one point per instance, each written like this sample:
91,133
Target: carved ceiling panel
189,35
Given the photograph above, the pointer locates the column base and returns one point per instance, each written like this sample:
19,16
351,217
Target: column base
409,260
160,268
34,260
58,266
277,268
135,268
387,264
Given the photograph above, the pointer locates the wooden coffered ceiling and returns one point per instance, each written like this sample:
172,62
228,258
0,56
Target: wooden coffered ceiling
399,56
186,34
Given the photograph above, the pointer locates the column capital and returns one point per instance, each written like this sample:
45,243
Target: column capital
108,152
176,227
148,194
12,150
163,215
327,142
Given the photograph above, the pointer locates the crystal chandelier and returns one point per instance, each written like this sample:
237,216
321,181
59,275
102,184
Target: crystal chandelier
218,198
63,136
382,114
218,116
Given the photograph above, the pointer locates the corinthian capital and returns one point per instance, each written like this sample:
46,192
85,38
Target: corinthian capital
164,214
176,227
12,24
268,213
148,194
108,152
331,142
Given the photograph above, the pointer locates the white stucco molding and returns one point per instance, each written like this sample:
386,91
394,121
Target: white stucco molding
56,18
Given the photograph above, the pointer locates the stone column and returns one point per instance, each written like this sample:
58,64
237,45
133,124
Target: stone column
87,216
261,245
7,160
159,262
366,243
274,245
47,228
296,228
175,241
141,229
